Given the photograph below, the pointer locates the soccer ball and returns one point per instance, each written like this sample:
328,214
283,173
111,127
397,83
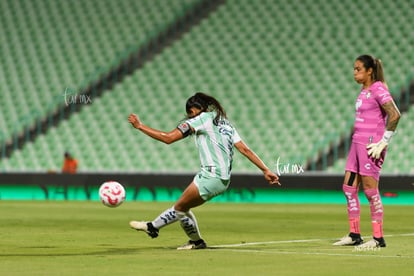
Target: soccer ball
112,194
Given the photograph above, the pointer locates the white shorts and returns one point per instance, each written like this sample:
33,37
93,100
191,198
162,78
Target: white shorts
209,187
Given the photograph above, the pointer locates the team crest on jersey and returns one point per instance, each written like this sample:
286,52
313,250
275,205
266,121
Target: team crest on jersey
358,104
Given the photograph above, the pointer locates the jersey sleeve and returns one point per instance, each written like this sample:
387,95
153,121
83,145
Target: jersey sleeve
236,136
185,129
382,95
197,122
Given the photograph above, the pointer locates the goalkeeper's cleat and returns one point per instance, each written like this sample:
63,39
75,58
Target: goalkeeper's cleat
374,243
351,239
200,244
147,227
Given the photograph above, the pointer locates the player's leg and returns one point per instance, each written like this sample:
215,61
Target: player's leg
189,199
152,228
350,189
370,185
370,178
202,189
188,223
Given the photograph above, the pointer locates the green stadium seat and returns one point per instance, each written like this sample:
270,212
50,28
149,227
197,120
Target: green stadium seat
282,71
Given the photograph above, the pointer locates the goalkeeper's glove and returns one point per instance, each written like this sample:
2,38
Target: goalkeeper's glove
375,149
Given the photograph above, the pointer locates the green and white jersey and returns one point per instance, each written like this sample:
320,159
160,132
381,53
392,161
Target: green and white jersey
215,144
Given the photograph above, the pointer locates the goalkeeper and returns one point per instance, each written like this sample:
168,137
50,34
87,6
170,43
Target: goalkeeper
376,119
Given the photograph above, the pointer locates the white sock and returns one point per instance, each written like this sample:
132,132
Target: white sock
189,224
165,218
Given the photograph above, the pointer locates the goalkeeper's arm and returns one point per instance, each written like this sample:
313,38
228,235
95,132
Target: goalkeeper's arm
375,149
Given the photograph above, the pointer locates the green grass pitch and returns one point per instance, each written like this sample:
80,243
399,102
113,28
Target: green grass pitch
87,238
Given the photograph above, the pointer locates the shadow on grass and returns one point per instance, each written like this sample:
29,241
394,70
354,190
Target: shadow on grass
48,251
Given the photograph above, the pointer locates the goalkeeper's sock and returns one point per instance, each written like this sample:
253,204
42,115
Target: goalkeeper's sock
354,225
377,211
353,206
165,218
189,224
377,229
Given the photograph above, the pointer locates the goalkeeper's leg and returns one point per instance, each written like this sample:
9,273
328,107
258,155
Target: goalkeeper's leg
377,210
350,189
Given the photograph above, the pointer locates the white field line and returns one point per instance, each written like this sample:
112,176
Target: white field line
297,241
353,253
266,242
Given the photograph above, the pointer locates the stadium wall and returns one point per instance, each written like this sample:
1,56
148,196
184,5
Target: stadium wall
244,187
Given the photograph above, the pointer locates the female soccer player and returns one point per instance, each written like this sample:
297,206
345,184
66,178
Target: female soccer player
215,138
376,120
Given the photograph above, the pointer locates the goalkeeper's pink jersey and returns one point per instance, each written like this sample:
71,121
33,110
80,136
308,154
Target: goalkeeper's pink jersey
370,118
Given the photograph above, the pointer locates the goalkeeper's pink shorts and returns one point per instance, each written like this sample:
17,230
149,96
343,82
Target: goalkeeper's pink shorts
359,162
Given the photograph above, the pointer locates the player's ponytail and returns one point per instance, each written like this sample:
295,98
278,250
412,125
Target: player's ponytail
379,71
205,103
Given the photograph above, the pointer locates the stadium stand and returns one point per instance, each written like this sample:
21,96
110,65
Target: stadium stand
51,46
282,69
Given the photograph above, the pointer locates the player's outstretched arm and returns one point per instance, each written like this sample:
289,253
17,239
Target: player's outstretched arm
165,137
270,176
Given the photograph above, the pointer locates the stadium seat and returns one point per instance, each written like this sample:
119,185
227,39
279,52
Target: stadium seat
283,71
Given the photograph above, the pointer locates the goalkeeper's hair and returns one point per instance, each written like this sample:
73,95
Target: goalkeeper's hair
370,61
206,103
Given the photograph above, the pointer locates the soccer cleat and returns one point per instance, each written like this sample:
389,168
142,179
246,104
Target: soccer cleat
200,244
351,239
147,227
374,243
